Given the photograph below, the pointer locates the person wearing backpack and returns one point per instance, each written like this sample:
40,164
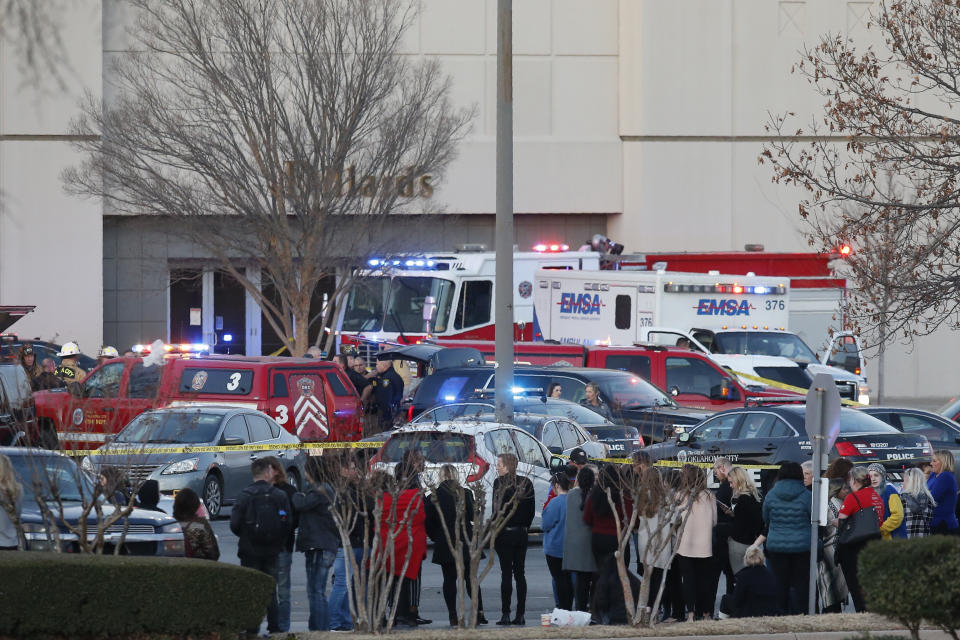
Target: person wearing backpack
261,520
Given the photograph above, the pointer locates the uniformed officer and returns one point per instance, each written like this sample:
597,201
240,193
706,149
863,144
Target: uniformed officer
69,370
388,391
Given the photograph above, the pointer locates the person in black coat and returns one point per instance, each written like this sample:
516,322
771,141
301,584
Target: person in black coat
443,510
756,591
512,494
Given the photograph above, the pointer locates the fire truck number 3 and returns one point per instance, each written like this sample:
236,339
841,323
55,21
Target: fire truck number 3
774,305
234,382
281,414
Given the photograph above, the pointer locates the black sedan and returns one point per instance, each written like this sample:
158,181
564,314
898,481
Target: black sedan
942,432
765,436
52,479
621,440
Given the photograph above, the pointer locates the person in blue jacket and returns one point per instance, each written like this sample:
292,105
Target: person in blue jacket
786,517
554,522
894,524
943,486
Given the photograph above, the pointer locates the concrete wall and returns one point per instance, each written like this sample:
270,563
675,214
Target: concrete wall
50,243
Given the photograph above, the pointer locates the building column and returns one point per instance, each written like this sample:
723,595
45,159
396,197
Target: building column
209,335
253,318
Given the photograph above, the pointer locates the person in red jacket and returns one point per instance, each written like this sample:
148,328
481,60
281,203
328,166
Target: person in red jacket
395,519
599,516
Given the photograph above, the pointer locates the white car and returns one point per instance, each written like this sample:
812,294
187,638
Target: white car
471,447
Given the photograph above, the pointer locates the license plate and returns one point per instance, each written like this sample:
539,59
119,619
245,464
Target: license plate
617,447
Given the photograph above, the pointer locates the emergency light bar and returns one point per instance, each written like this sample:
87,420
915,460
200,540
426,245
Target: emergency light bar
407,263
551,248
759,290
174,348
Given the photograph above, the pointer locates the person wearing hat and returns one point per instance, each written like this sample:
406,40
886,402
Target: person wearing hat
69,370
28,360
578,460
106,353
893,517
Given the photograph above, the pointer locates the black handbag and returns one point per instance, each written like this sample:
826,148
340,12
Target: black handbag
860,527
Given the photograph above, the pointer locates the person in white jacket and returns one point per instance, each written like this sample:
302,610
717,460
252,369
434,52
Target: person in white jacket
654,539
695,550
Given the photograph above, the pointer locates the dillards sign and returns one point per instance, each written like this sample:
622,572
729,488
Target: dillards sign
349,183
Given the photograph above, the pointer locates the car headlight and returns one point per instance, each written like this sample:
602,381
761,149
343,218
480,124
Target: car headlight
173,527
36,529
184,466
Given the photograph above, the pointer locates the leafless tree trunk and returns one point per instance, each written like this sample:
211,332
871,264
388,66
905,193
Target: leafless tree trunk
881,158
277,134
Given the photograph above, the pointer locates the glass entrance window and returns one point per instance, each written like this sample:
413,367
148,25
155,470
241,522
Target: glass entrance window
230,316
186,303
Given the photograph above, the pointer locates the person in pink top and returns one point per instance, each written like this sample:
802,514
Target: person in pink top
695,550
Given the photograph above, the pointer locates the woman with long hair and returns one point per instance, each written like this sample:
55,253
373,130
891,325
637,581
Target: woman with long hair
654,542
198,538
695,551
602,517
861,496
918,503
747,517
11,495
441,525
832,586
943,488
577,540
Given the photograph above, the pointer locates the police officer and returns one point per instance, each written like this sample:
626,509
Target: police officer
69,370
387,391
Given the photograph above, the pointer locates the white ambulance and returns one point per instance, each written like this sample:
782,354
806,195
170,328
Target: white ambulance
726,315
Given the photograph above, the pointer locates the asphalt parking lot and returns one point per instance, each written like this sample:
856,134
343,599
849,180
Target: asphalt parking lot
432,607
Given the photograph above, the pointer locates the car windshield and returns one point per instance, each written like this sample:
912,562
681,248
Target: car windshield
183,427
435,446
794,376
395,304
764,343
628,391
577,413
55,477
950,409
853,421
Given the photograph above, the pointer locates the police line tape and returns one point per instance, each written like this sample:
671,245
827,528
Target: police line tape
786,387
301,446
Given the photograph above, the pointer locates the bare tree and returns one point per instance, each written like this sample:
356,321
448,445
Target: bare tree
887,112
34,30
277,134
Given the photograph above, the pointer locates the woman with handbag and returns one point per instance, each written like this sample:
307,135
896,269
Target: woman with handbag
747,517
856,526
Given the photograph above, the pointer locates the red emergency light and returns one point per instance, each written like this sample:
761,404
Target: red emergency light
550,248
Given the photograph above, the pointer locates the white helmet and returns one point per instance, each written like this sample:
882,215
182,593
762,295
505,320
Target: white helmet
109,352
69,349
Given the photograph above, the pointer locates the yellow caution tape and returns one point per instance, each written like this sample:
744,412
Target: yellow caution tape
709,465
301,446
786,387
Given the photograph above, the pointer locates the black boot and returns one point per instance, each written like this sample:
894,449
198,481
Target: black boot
519,619
504,619
482,619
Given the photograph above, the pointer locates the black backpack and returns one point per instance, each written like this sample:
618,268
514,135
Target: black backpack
267,519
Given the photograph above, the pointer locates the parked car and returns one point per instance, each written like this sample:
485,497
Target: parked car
770,435
620,440
313,399
471,447
942,432
632,400
18,419
217,477
50,474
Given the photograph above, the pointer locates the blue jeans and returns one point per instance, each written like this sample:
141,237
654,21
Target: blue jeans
318,566
339,603
284,560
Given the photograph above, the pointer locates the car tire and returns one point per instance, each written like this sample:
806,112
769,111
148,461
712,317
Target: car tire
213,495
293,478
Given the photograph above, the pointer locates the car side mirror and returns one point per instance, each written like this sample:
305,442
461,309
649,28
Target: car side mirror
674,391
684,438
232,442
555,450
557,463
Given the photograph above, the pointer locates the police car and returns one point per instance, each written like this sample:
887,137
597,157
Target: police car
760,438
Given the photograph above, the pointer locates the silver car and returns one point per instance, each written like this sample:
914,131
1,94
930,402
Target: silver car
218,477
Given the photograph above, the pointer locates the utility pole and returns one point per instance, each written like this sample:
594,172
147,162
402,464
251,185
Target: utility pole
503,376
